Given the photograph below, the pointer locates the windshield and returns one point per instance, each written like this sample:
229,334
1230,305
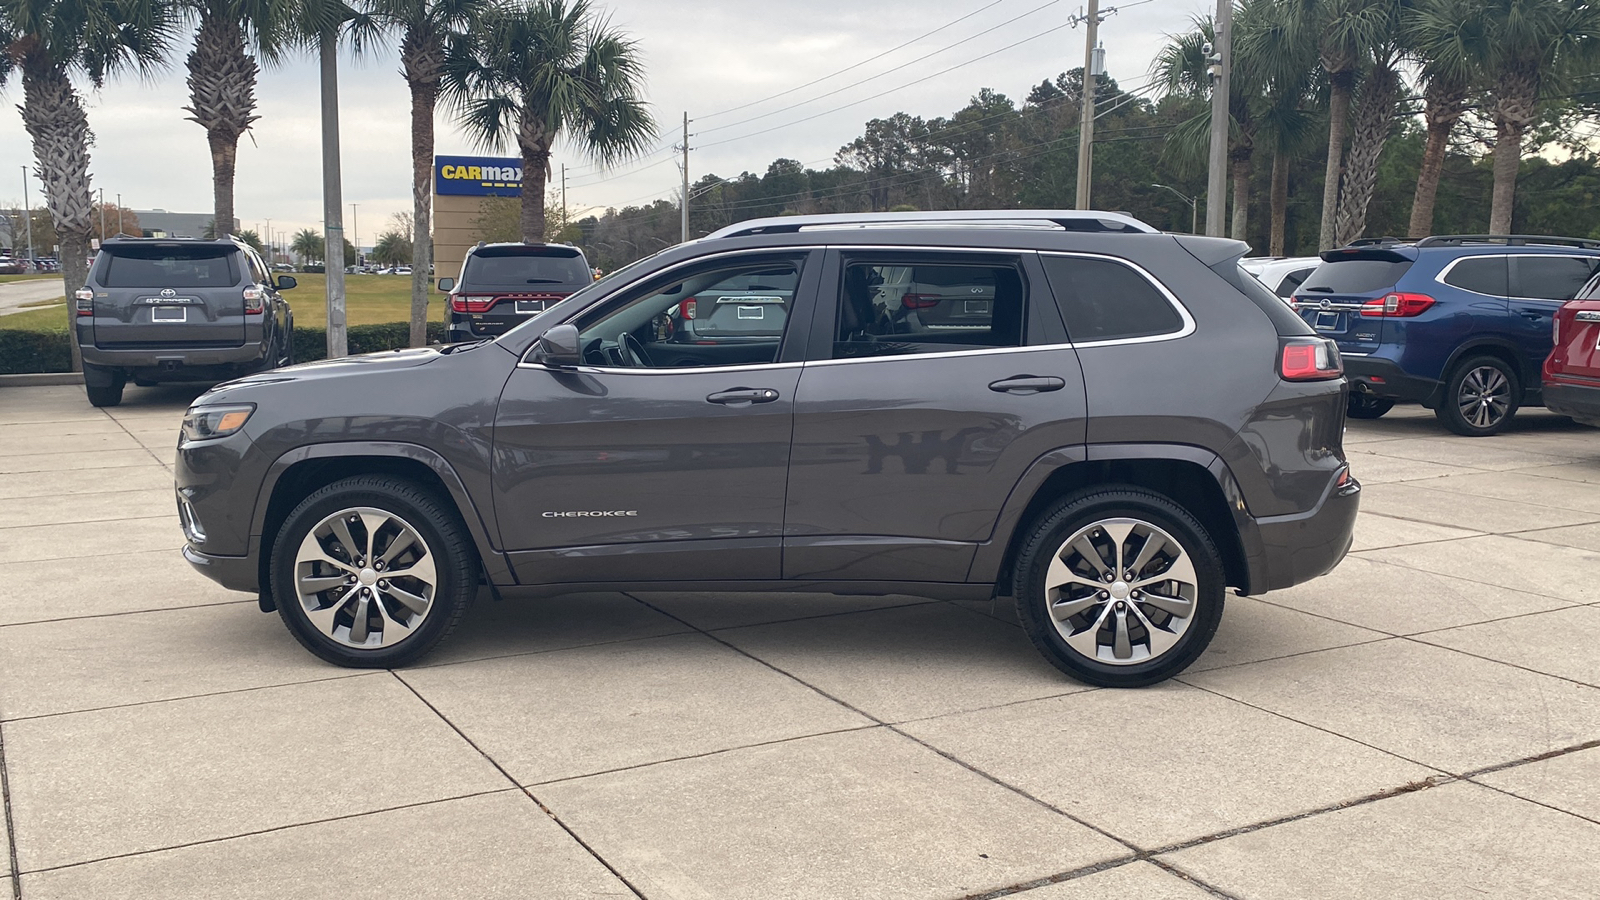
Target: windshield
520,266
168,265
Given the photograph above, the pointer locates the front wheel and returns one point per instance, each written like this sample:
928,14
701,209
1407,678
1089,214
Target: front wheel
1119,587
372,572
1362,406
1480,397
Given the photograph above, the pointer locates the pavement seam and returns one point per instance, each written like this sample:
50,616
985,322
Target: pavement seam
261,831
1500,661
891,727
244,690
524,791
125,430
10,823
1534,506
126,612
1510,537
173,515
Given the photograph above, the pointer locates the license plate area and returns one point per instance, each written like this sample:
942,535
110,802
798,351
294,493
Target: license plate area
977,307
752,312
1328,321
528,307
169,314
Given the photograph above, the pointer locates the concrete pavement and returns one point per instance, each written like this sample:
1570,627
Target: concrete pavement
18,296
1425,721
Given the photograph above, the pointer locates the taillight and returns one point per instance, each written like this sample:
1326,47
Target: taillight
1305,359
1555,329
920,301
1397,306
687,307
254,300
83,301
463,303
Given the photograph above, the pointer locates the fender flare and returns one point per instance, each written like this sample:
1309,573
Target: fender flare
494,562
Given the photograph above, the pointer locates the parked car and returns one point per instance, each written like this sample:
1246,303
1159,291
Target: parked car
12,266
400,270
1281,275
1572,371
739,308
1090,452
1459,323
155,310
502,285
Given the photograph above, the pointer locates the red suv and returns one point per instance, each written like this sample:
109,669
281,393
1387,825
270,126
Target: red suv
1572,371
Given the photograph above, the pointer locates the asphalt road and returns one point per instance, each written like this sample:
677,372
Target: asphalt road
18,294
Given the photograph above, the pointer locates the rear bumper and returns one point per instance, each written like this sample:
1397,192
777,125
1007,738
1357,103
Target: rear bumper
1580,401
1283,551
1375,376
185,357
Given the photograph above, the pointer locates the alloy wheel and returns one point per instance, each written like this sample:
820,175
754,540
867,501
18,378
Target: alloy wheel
1121,591
365,578
1484,397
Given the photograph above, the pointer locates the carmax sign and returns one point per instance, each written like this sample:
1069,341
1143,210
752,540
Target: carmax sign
477,176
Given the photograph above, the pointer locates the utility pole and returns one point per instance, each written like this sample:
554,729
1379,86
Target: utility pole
102,214
563,196
685,238
28,211
1220,59
119,214
332,202
355,226
1086,126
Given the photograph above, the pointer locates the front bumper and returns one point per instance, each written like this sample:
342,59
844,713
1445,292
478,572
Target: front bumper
236,573
1374,376
1283,551
1580,401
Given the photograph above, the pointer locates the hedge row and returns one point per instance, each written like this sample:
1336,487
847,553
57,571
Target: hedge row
27,352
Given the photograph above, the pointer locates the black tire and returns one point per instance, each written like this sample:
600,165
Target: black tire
104,386
454,557
1085,510
1463,409
1362,406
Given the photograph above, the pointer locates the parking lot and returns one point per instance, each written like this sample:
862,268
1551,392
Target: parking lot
1423,722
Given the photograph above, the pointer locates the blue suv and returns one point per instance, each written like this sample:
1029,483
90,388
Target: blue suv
1458,323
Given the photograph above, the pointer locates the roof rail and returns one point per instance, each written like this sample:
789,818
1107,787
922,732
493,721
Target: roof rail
1068,220
1510,240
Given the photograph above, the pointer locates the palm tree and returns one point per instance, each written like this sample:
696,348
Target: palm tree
222,79
535,70
1380,31
1528,45
1282,60
426,24
48,42
307,244
1446,39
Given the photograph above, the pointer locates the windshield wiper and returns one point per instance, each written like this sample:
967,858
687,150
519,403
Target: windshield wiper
543,281
1319,289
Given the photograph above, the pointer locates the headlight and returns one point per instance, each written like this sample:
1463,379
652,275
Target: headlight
206,422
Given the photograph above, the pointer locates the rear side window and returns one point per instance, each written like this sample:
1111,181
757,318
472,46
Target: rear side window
1552,277
916,305
175,266
1103,300
1292,281
525,266
1355,276
1481,275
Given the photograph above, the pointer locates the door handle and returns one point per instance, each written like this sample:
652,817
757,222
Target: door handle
1028,384
1536,316
742,396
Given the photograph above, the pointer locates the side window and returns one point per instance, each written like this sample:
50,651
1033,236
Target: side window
1293,280
1480,274
733,313
1103,300
933,305
1552,277
258,272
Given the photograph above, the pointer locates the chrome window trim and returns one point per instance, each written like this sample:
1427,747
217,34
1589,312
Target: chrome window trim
1186,329
676,370
946,354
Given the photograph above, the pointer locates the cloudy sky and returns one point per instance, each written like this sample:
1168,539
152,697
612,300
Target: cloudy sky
709,57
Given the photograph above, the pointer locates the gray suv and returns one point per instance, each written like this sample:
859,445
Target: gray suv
156,309
1131,427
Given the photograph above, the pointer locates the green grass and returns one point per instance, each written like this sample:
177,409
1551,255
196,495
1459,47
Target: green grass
369,300
33,276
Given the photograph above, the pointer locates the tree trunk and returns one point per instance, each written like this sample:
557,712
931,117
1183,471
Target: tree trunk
222,83
1343,85
1280,203
1373,120
53,115
535,146
1446,103
1240,164
422,58
1516,99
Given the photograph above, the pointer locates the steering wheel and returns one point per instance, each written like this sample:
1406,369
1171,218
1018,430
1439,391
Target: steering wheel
632,351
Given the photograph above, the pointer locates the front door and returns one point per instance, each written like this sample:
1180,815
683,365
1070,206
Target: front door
934,382
665,457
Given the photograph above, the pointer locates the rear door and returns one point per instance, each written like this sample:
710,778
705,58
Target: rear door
1331,297
1539,286
169,294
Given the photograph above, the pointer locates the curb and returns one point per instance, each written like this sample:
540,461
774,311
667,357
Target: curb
42,378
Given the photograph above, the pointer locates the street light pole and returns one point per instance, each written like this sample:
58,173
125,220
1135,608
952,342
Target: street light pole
119,214
355,226
102,214
28,214
1194,206
1086,123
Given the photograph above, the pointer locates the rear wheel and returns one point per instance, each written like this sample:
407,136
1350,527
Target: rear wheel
372,572
1119,587
1480,397
1362,406
104,386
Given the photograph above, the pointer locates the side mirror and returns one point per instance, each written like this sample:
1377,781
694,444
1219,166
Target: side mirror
286,282
445,284
558,348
